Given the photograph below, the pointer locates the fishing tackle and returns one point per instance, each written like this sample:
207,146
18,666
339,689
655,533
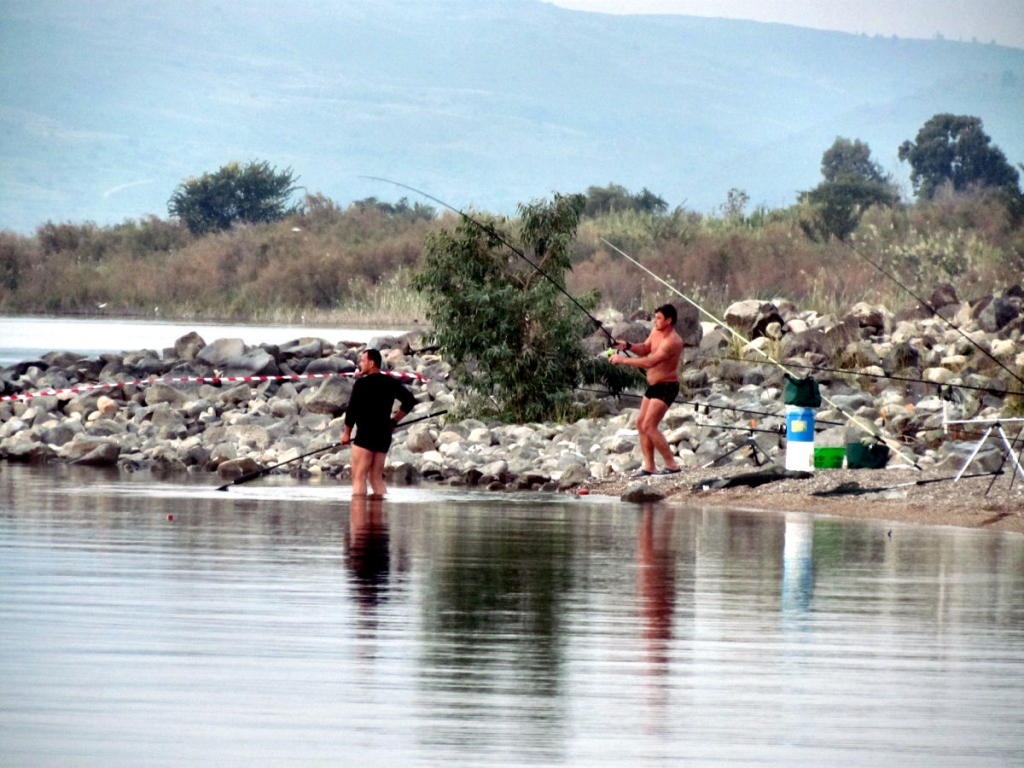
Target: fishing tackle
935,312
260,472
895,447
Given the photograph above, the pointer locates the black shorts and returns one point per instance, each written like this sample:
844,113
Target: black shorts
378,441
665,391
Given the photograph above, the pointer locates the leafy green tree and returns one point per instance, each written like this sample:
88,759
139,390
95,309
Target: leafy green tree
851,159
616,198
401,209
512,333
252,193
954,149
853,183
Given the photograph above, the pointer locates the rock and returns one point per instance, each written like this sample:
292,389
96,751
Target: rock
304,347
997,313
751,317
800,344
236,468
419,441
688,324
642,493
158,392
103,455
23,449
256,362
106,405
220,352
187,347
870,316
331,398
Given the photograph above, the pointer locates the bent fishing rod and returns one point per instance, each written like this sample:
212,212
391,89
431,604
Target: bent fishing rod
260,472
870,429
490,231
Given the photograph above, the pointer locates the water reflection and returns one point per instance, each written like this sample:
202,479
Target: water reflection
368,552
798,563
283,622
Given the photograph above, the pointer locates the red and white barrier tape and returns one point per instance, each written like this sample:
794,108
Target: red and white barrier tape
194,380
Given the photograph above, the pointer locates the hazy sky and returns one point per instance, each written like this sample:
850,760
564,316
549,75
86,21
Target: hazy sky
986,20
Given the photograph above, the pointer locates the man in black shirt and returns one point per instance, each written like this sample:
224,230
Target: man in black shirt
369,411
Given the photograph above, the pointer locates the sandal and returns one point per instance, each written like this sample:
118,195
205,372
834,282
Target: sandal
668,471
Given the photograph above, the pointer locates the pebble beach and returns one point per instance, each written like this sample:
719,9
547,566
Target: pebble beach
224,409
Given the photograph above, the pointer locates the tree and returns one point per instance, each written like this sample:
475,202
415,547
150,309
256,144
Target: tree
955,149
853,183
512,333
252,193
851,159
615,198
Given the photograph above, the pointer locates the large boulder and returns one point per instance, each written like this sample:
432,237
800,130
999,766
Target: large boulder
256,362
331,397
219,353
996,314
189,346
751,317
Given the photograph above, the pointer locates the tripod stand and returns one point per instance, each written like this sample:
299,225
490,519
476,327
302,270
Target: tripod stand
996,425
750,443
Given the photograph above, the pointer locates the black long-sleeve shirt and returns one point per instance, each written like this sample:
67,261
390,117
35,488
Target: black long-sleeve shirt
369,410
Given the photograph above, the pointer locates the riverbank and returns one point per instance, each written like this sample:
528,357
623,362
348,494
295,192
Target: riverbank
227,408
902,496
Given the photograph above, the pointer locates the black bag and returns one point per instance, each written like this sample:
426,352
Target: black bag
801,392
861,456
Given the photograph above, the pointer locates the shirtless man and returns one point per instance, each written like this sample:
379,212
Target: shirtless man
659,356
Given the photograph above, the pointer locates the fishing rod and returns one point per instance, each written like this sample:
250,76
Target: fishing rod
490,231
935,312
260,472
870,429
908,379
854,488
697,406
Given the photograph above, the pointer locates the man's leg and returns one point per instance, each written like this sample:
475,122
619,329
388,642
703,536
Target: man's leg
362,459
377,473
651,439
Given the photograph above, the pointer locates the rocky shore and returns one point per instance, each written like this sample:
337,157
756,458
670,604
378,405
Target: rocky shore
226,409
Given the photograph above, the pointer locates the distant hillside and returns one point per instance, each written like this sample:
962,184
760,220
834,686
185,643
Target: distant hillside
106,106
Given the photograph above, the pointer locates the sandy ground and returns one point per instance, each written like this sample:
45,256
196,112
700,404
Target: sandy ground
902,495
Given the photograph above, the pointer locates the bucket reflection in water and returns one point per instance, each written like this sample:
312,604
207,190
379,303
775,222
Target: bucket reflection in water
798,563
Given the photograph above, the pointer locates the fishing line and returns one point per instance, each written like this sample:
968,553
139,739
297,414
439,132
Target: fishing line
942,388
698,405
870,429
492,232
934,312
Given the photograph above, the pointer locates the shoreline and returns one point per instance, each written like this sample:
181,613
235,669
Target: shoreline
939,501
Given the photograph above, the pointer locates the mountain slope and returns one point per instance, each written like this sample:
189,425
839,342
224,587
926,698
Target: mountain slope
106,106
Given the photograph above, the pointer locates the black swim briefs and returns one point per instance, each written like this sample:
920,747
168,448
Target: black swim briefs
665,391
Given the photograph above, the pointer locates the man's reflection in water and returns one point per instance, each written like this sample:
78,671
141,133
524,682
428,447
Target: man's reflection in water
369,556
656,577
656,587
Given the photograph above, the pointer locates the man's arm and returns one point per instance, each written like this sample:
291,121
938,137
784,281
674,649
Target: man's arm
651,355
641,349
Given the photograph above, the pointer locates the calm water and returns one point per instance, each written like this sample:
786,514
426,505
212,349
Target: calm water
25,338
277,623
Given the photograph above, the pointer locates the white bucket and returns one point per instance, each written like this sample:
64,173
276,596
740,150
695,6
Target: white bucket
799,438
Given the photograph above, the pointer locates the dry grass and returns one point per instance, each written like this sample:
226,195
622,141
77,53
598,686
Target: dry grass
353,264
